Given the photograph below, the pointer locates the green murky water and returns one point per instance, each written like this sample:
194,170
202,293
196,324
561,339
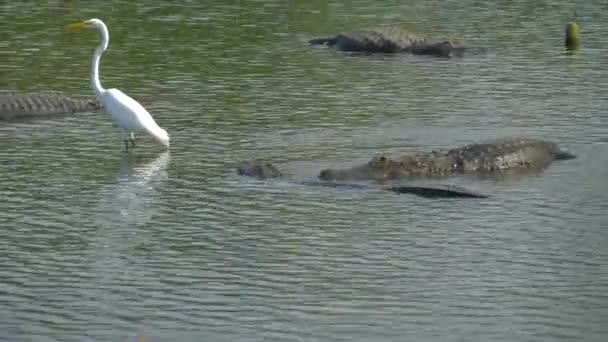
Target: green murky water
100,245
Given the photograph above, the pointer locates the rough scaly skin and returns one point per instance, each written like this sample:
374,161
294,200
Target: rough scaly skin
390,39
506,154
24,105
500,155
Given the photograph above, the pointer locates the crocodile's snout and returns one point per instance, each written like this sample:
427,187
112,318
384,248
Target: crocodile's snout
327,174
94,104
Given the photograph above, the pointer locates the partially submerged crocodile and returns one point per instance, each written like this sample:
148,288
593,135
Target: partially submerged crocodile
23,105
390,39
492,157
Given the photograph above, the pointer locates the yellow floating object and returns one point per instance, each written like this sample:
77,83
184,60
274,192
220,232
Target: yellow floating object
573,32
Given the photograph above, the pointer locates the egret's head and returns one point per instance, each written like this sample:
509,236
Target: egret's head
94,23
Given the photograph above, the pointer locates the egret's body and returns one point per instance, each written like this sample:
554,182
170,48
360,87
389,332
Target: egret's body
130,116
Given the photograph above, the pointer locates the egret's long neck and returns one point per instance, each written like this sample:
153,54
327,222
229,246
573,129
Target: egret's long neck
95,83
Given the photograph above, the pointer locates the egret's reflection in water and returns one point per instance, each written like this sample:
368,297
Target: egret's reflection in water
123,219
137,184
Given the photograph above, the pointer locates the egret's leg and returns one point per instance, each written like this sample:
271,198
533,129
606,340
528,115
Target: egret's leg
132,139
125,138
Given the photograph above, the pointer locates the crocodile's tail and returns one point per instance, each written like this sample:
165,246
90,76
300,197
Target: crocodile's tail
329,41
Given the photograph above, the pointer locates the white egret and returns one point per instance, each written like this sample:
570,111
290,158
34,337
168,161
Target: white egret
130,116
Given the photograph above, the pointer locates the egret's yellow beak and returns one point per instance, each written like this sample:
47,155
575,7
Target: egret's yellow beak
77,26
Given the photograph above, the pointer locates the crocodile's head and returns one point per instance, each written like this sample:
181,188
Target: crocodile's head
381,168
448,48
258,169
378,168
94,104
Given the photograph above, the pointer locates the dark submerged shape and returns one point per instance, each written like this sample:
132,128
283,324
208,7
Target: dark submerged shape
500,155
21,105
436,191
390,39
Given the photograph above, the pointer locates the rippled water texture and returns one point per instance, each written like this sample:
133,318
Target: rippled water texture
100,245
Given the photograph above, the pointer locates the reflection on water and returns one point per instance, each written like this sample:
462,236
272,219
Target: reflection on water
122,217
136,186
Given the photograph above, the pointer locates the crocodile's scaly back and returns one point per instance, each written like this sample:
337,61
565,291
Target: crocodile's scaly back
20,105
390,39
507,153
493,157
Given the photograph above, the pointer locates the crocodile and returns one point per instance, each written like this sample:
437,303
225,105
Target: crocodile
498,156
16,105
262,170
494,157
390,39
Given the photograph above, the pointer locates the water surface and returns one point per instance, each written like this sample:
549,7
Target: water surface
100,245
